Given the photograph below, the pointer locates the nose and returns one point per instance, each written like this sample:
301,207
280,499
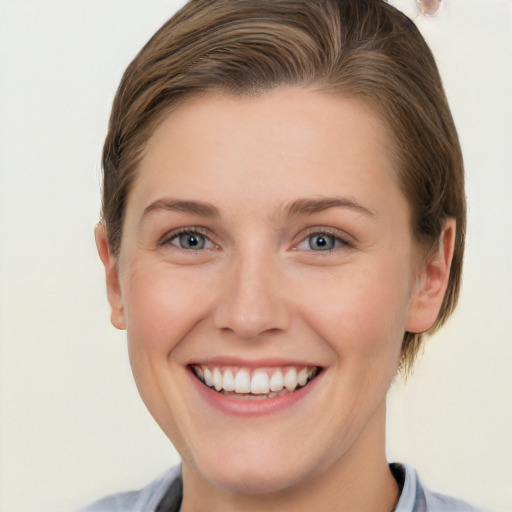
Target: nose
252,300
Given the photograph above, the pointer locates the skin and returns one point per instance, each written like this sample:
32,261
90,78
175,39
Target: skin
257,290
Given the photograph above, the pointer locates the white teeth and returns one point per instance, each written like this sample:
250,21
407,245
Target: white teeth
260,384
290,379
262,381
302,377
208,376
199,372
217,379
228,381
276,381
243,382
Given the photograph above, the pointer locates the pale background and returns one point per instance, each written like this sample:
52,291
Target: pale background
72,427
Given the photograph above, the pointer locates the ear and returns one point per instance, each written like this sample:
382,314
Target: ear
114,295
431,282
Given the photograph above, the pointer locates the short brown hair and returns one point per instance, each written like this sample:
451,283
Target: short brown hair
365,49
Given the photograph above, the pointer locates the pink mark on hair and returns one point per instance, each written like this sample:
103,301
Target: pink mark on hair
429,7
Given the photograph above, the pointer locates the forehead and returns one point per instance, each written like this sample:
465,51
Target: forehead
266,149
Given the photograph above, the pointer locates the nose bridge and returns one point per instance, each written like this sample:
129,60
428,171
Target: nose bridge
252,301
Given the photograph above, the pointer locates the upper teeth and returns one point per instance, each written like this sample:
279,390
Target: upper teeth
259,381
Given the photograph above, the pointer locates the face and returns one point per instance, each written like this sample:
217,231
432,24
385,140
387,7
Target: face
266,277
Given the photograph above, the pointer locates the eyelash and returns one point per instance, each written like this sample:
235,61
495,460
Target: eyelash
173,235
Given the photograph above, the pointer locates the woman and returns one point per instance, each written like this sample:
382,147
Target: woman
283,217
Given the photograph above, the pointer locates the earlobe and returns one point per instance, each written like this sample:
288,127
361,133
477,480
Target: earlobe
431,282
109,261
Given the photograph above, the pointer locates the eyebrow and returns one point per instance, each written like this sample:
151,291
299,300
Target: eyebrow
184,206
308,206
302,206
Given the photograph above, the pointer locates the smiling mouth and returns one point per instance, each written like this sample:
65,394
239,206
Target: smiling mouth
258,383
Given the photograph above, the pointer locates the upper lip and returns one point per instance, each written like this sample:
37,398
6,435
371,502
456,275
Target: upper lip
255,363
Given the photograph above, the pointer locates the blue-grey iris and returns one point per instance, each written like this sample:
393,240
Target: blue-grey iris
322,242
192,241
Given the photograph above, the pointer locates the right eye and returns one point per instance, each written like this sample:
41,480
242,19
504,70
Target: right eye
188,240
322,242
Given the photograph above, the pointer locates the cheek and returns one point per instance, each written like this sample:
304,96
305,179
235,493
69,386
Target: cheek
361,314
162,304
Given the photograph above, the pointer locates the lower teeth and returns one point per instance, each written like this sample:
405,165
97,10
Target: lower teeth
251,396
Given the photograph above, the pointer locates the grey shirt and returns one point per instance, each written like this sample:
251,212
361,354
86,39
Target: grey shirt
167,489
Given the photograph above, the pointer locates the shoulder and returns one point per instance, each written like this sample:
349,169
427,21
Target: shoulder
416,497
143,500
441,503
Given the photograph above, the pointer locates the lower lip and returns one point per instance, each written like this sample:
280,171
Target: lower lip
252,407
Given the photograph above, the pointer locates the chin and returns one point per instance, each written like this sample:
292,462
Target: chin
255,471
251,480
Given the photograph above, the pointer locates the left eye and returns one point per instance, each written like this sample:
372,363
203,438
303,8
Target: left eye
320,242
191,241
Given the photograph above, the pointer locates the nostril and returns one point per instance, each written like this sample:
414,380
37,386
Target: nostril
250,323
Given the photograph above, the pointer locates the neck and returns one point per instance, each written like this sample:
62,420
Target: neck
361,480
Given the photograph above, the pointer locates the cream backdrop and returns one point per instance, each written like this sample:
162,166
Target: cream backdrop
72,425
